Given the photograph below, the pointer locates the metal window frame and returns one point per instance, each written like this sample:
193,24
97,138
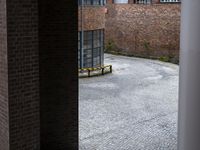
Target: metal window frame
146,2
170,1
90,40
92,2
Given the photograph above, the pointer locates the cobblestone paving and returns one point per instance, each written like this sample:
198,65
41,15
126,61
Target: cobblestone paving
134,108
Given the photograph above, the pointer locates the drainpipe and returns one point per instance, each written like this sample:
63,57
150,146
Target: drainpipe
189,89
82,36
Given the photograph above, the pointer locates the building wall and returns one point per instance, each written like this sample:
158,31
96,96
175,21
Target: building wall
93,17
38,75
19,76
23,74
92,21
109,1
155,1
143,30
133,1
4,124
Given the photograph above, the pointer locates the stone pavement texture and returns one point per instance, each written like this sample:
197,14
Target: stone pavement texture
134,108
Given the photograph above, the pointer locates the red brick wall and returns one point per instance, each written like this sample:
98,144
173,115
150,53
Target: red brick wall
133,1
144,30
155,1
109,1
93,17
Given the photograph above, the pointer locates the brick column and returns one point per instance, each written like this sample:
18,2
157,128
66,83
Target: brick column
19,75
35,105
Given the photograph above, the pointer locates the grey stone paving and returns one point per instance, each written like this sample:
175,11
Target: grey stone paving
135,108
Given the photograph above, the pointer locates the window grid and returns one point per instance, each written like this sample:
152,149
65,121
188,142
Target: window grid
93,48
79,48
170,1
92,2
143,1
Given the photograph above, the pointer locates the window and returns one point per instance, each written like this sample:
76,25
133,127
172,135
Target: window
143,1
92,2
93,48
87,52
170,1
121,1
79,48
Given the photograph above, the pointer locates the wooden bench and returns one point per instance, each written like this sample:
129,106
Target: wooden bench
89,70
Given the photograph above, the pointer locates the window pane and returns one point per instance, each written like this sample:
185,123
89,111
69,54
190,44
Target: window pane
93,48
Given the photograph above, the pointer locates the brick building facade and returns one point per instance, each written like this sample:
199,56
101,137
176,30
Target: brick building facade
91,33
151,31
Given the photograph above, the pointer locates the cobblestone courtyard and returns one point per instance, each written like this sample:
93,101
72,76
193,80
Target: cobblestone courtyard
134,108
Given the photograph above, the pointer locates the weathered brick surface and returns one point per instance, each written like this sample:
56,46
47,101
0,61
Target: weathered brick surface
156,2
93,17
133,1
144,30
109,1
58,28
19,76
24,123
23,74
4,124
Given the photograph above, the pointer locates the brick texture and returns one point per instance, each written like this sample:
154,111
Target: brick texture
131,1
156,2
109,1
38,75
134,1
23,74
93,17
143,30
58,28
4,124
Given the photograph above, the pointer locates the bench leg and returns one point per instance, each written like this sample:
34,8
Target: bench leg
102,71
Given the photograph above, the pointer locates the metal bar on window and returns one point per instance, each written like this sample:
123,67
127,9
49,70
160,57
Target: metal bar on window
103,46
92,48
82,37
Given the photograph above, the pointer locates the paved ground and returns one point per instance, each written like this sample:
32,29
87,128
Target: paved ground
135,108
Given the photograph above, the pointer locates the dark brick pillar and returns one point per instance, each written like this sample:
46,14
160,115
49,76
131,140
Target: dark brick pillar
23,74
58,74
19,75
38,107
